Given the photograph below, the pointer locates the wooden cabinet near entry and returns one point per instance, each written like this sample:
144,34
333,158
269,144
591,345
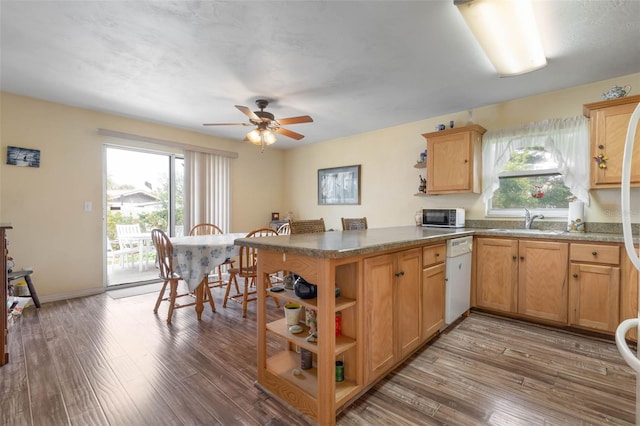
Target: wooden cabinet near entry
454,160
608,123
4,353
392,309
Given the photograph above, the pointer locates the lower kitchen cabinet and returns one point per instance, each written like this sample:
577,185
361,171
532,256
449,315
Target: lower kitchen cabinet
542,280
629,293
522,276
497,274
433,290
594,300
392,309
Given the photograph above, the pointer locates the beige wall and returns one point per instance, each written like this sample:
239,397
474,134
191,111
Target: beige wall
64,244
52,233
387,157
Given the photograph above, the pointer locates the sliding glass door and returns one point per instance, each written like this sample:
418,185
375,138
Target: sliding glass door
144,190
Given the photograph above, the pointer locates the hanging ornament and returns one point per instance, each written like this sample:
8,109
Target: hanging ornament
537,192
601,161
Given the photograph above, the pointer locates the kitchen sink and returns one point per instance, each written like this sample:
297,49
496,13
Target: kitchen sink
527,231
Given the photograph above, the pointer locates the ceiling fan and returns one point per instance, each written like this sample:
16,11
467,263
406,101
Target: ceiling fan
266,124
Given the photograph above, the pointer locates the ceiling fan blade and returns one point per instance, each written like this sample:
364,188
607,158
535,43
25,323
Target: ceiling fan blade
246,111
295,120
289,133
227,124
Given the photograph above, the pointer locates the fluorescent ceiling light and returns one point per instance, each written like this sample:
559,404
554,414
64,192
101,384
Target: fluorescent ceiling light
507,32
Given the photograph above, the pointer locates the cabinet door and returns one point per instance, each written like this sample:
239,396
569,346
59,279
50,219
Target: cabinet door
629,294
593,299
379,279
608,134
497,274
433,300
408,301
449,163
542,280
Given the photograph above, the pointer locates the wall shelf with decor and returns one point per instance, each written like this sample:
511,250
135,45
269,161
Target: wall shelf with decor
421,165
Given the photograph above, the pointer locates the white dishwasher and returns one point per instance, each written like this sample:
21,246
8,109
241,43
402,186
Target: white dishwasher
458,278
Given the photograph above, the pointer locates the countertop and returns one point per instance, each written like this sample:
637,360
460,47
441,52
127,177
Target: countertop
341,244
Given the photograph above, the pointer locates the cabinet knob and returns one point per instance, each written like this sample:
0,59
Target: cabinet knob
437,254
466,161
600,146
399,274
575,275
521,257
595,253
515,257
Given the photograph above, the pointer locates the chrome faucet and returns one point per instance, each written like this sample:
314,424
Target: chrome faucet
528,218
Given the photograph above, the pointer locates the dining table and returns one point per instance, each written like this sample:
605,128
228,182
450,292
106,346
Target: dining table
195,256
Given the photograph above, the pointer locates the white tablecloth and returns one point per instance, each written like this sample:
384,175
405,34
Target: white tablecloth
195,256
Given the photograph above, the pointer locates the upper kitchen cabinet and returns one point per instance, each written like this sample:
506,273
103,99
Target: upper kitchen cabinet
453,160
608,122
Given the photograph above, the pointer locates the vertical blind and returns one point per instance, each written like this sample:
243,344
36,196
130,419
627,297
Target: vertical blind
207,187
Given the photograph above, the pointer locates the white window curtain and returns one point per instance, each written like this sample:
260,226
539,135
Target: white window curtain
566,139
206,187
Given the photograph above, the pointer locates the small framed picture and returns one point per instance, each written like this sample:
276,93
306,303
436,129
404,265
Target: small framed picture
275,216
23,157
339,185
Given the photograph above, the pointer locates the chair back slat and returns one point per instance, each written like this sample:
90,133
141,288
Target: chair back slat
307,226
205,229
248,256
351,224
284,229
164,253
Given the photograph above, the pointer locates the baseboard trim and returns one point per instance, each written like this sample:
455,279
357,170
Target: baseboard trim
71,295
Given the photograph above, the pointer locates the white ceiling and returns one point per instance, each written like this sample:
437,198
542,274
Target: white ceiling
354,66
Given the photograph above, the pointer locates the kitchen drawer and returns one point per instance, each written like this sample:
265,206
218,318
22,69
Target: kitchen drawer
595,253
433,254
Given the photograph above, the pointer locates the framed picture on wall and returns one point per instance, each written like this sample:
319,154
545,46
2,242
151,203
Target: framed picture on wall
23,157
339,185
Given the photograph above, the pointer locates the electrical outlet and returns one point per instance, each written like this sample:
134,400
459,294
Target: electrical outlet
88,206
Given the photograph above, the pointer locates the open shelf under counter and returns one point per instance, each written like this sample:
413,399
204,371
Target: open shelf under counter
280,327
290,296
284,363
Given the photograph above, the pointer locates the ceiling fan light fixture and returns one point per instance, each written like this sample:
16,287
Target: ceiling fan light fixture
269,137
507,32
254,137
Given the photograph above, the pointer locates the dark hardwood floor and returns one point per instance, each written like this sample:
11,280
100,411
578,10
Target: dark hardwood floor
100,361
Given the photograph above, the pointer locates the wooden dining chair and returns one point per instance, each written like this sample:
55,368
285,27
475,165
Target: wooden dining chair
284,229
211,229
352,224
307,226
164,256
247,269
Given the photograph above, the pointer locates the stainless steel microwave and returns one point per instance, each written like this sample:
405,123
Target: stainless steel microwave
443,218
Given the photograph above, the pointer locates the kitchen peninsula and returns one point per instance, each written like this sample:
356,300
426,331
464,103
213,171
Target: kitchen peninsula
382,279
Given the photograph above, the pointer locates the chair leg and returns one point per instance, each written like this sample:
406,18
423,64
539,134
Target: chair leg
232,279
172,299
245,297
160,297
207,292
